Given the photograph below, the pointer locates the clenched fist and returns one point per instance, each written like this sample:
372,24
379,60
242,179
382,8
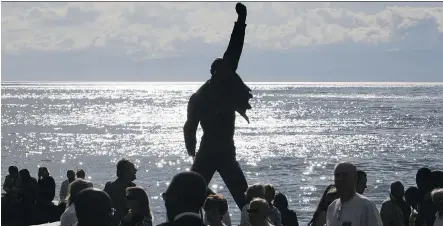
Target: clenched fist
241,10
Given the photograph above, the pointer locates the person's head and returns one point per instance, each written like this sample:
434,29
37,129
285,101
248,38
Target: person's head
437,177
269,193
215,207
423,179
186,193
437,199
281,202
255,191
362,180
93,207
329,195
43,172
412,197
24,175
81,174
345,179
74,188
137,201
397,189
258,211
13,171
70,174
126,170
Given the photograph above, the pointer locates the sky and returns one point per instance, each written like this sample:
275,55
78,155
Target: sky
177,41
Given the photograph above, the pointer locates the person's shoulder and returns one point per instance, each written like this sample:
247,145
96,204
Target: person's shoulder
364,201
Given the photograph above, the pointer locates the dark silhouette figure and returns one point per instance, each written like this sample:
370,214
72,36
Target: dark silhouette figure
126,173
319,217
437,178
139,210
46,186
27,196
44,210
395,211
412,198
426,209
184,198
82,175
70,174
10,186
288,217
362,180
214,106
93,207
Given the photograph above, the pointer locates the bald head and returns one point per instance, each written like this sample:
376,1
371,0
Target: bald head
345,178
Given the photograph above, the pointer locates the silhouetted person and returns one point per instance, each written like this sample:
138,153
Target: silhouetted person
12,180
82,175
46,187
27,196
93,208
216,206
258,212
395,211
437,177
319,217
362,180
426,210
274,214
412,198
70,174
10,186
126,173
226,220
214,106
253,191
437,198
139,210
44,210
184,198
288,217
69,216
350,208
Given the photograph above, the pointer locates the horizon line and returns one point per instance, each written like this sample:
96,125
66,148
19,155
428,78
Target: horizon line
199,82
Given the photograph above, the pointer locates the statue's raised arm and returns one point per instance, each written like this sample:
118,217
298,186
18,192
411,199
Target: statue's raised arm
235,46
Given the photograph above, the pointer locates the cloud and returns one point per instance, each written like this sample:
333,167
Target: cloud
144,30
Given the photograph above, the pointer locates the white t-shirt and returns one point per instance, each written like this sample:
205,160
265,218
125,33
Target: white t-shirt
438,221
358,211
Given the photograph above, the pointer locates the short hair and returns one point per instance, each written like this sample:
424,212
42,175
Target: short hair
255,191
216,202
437,193
70,172
262,203
13,169
93,207
361,174
81,173
122,165
189,188
74,188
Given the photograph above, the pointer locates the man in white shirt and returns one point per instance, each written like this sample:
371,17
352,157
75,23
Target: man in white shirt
437,198
351,209
65,185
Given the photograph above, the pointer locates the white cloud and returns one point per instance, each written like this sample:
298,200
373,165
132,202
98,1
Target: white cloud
151,29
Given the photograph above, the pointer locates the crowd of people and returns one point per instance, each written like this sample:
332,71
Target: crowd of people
188,201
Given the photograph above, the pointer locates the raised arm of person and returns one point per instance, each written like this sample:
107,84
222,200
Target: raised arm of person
191,125
235,46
